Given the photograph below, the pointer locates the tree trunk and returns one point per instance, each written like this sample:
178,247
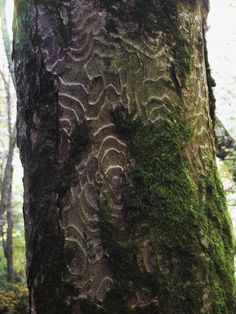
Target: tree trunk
123,207
9,242
6,186
7,180
6,207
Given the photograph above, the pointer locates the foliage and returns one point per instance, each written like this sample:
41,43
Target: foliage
18,256
7,116
17,189
13,299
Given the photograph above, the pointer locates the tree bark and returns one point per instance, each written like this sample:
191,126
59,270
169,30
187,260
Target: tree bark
123,207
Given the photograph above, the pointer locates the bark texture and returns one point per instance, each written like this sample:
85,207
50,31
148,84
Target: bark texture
123,207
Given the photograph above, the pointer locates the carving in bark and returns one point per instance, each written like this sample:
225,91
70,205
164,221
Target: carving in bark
123,207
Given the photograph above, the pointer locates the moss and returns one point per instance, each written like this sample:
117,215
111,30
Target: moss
221,246
183,62
22,5
168,22
191,236
155,16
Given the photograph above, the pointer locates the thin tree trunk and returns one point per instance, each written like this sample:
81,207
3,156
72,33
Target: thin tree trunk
6,208
6,186
9,242
123,208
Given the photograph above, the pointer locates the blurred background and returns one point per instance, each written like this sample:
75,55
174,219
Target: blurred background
221,39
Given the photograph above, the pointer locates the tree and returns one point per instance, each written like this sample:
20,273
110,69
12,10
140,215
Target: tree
225,142
6,187
6,179
123,207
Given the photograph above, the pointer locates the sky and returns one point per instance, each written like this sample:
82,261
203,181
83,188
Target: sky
221,39
10,6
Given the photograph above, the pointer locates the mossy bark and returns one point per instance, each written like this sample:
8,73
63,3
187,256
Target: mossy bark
124,210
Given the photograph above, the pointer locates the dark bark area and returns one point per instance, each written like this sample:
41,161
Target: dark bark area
123,207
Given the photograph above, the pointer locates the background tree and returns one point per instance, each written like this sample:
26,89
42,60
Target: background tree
123,207
6,188
224,90
13,291
7,173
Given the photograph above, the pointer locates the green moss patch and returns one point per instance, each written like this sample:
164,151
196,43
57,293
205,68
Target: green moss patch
153,17
186,222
